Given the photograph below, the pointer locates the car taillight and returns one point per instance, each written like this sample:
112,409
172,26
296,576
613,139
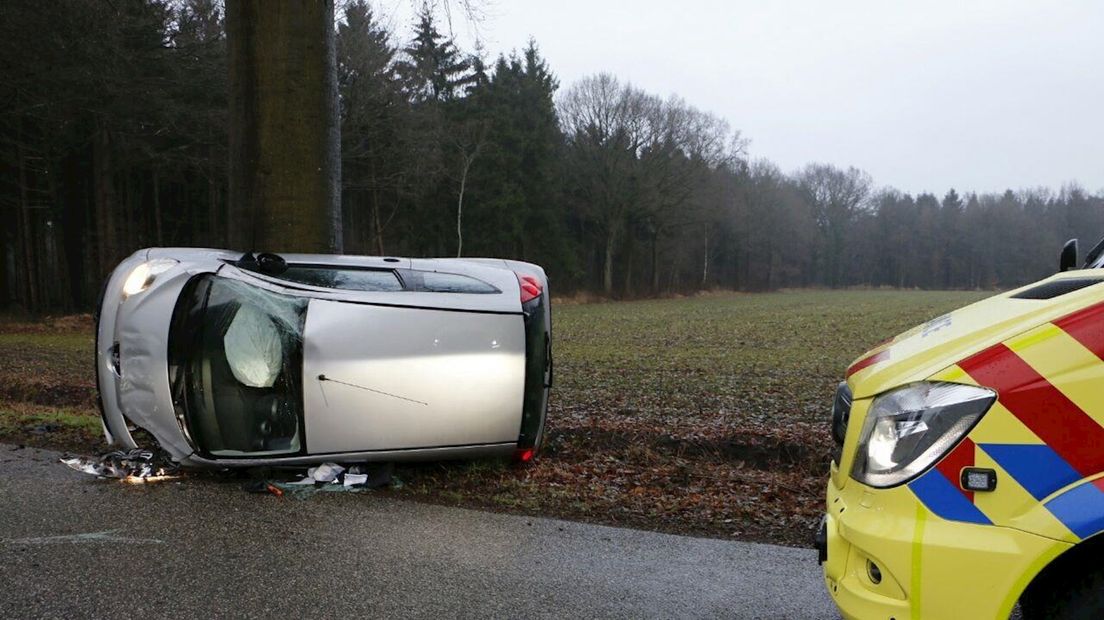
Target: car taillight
531,287
524,455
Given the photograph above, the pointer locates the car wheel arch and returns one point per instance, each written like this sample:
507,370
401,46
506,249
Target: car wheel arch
1054,576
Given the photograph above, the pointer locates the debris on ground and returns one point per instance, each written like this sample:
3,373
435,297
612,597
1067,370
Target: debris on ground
324,473
329,477
262,486
374,476
136,465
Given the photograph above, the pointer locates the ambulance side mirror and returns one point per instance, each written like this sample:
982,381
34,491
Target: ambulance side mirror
1068,258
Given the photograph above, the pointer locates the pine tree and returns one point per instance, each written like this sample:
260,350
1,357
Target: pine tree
514,189
373,117
434,70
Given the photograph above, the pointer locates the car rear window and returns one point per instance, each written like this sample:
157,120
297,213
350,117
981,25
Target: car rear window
437,282
347,279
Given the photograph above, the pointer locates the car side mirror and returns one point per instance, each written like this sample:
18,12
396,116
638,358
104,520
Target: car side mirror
1068,258
273,264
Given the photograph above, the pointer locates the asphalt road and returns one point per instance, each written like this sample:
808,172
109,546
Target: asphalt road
74,546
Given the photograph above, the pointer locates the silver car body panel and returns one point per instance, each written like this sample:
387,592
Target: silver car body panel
397,378
137,391
463,355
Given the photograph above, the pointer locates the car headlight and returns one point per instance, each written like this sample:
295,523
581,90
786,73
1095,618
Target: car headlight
143,275
908,429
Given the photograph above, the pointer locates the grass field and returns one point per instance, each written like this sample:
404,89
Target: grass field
703,415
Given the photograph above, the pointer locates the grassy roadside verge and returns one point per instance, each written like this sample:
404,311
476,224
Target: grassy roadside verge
704,415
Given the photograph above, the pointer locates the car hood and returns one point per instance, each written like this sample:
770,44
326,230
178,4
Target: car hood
926,349
138,325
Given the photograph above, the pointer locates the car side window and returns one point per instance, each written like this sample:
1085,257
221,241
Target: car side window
374,280
437,282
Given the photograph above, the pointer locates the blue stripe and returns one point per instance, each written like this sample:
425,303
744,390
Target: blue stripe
1081,509
1037,467
944,499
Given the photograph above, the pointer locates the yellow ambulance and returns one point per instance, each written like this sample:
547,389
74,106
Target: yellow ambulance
969,473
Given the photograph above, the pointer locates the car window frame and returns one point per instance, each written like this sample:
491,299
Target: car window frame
397,272
411,280
322,292
417,282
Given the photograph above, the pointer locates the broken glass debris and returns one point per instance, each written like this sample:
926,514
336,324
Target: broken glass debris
132,466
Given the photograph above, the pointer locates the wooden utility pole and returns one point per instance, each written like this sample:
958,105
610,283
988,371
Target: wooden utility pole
285,145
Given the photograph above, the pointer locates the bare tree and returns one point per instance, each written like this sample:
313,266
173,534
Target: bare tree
607,125
469,142
836,196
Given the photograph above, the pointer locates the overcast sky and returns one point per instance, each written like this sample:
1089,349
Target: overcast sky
925,95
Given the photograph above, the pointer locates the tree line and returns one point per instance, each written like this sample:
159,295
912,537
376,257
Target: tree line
114,136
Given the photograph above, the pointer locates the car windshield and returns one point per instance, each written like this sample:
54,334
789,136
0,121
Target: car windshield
236,364
1095,258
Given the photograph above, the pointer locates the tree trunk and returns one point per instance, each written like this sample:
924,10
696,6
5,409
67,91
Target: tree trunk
26,235
377,226
105,202
158,223
5,269
655,261
770,263
58,251
460,205
705,262
630,254
215,228
376,233
607,269
285,147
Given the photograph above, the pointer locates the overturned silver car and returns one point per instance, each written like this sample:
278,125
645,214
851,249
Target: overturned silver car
241,360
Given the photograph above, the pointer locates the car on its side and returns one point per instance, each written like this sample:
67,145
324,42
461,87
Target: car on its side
231,359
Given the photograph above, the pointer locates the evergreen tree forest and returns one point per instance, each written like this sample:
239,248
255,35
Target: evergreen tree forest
113,137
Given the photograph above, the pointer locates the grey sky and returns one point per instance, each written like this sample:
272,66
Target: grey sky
925,95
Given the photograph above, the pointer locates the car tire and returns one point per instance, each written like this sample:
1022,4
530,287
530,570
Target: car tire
1081,598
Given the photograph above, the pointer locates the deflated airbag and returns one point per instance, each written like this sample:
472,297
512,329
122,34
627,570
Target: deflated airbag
254,348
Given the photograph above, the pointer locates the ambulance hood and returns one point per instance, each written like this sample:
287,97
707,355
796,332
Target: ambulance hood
931,347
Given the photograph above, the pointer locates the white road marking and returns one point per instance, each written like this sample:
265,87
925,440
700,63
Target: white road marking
108,536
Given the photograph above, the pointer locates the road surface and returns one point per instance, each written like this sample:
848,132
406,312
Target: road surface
74,546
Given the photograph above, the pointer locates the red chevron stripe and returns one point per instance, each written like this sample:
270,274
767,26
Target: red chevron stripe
1052,416
952,464
869,360
1087,327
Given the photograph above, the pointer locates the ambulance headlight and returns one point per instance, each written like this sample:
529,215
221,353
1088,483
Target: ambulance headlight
143,275
908,429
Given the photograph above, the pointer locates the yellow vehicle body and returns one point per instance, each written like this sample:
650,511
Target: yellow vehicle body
941,551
